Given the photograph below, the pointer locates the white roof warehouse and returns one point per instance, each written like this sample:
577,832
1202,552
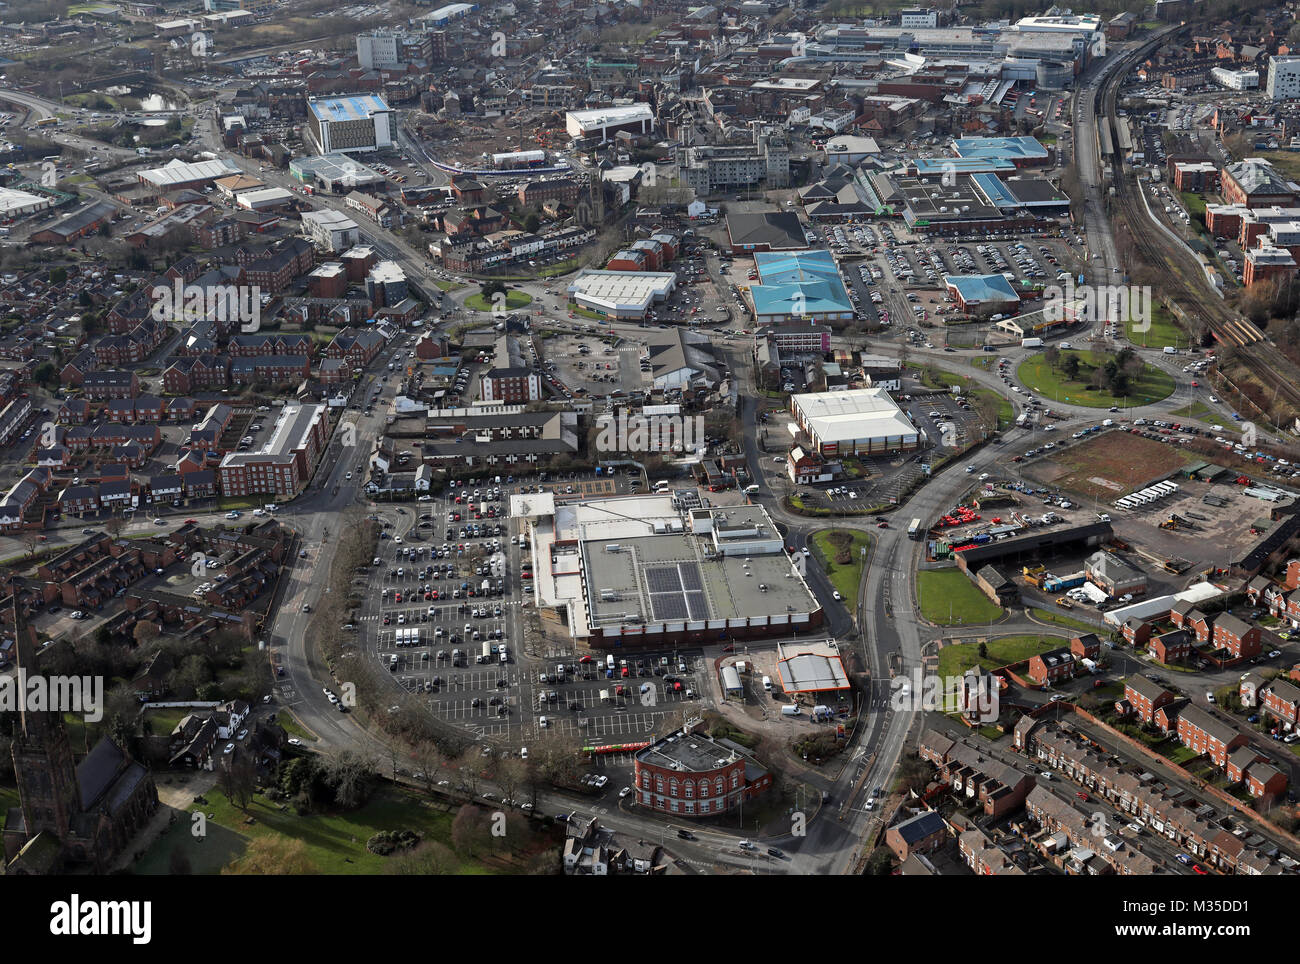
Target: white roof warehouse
861,421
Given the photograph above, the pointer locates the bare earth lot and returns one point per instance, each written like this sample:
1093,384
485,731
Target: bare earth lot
1109,466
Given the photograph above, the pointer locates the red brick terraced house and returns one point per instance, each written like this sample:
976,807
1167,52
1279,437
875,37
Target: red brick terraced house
1144,696
1238,637
1052,666
186,376
1171,647
102,385
271,369
1206,734
1281,700
359,348
969,772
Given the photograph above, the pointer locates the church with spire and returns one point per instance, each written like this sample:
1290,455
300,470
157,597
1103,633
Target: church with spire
73,816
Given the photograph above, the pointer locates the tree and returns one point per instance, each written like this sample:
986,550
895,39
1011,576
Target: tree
273,855
30,539
1070,366
1053,356
430,858
471,833
510,776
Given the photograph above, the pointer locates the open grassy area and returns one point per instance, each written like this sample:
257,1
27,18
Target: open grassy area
290,725
1061,619
514,300
1163,331
1194,203
947,598
1151,385
335,843
586,312
448,285
846,578
959,657
1197,410
164,719
1006,414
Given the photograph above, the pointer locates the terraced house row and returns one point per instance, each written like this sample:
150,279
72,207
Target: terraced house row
1194,827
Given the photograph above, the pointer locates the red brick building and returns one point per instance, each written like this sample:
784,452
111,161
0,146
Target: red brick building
1049,667
688,775
1206,734
1145,696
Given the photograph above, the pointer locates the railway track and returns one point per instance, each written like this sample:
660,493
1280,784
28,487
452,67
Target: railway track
1275,373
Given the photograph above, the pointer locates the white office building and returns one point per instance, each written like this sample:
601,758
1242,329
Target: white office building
1235,79
379,49
331,230
1283,78
919,18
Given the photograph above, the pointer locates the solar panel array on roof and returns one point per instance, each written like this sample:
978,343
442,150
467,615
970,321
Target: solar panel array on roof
690,574
676,592
668,606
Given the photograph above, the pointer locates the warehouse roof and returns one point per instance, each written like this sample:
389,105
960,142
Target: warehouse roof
856,414
982,288
776,229
182,172
1000,147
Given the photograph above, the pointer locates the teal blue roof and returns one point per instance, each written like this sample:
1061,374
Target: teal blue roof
799,283
1011,148
982,288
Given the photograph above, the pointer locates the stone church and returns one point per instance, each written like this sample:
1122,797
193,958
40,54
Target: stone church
73,817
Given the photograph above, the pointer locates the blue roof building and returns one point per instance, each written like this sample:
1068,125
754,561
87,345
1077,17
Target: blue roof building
988,291
799,284
1021,151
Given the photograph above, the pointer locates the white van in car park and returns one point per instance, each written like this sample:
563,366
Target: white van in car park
767,683
789,711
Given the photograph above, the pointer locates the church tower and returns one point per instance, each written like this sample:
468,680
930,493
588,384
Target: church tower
42,752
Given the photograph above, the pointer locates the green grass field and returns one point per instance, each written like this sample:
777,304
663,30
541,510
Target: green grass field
1151,385
1006,414
948,598
846,579
959,657
1194,203
1061,619
335,843
1164,331
514,300
1198,410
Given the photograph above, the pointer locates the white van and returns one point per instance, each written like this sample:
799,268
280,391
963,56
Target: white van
789,711
751,489
767,683
1170,350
